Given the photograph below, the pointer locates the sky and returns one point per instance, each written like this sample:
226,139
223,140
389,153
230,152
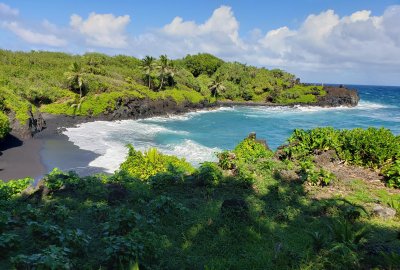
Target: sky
323,41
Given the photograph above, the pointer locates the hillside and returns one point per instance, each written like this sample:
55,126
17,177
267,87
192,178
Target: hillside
99,85
315,203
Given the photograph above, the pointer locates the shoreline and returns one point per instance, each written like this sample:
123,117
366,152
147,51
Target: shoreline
28,152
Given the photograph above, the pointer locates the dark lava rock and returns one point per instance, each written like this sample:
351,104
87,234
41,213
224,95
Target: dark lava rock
253,136
33,125
384,212
338,96
139,107
235,208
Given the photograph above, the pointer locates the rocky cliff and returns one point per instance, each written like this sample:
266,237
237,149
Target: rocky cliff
338,96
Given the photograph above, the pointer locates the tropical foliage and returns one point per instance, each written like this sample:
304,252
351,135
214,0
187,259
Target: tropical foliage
372,148
158,207
92,84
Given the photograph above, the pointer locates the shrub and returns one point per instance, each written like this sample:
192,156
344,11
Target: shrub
209,174
392,175
316,177
172,177
13,187
249,151
152,162
226,160
8,242
52,257
372,148
57,179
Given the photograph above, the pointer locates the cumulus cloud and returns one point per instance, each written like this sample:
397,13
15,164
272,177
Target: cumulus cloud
323,40
34,37
102,30
359,43
219,34
7,11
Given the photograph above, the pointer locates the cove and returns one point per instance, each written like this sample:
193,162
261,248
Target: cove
197,136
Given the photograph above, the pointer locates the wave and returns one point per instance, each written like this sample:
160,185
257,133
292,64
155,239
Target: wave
192,151
109,140
185,116
368,105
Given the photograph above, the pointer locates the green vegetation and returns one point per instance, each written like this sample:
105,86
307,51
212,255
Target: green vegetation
251,210
372,148
95,84
144,165
4,125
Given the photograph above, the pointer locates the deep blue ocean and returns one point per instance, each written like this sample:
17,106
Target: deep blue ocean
198,135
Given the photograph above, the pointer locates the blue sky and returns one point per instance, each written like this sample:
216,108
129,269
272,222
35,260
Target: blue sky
337,41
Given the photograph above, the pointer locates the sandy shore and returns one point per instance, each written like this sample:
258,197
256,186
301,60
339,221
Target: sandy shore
46,150
21,159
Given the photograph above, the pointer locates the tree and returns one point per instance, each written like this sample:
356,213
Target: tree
148,67
165,69
202,63
216,87
4,125
75,77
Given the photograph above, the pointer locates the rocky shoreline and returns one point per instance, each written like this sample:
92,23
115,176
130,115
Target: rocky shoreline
24,143
136,108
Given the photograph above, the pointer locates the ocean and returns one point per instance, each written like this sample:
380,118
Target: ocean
197,136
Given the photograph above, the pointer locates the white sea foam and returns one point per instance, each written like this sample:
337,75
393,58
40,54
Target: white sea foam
185,116
109,139
266,112
193,152
367,105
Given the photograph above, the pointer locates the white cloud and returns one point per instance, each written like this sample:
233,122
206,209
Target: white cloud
7,11
102,30
34,37
219,34
360,43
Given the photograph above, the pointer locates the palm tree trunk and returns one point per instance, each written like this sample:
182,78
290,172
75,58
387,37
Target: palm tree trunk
162,83
148,78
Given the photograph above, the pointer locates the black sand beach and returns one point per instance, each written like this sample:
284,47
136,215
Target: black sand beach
46,150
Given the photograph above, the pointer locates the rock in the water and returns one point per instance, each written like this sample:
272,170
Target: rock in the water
338,96
235,208
384,212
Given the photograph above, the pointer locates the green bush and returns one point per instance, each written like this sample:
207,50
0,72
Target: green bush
57,179
147,164
208,174
315,176
373,148
250,151
13,188
8,243
392,174
52,257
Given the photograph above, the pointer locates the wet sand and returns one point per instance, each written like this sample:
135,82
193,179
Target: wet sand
20,159
48,149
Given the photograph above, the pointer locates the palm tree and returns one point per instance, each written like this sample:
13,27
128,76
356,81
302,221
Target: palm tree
216,87
148,67
75,77
165,69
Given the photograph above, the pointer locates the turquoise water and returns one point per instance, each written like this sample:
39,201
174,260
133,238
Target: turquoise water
197,136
